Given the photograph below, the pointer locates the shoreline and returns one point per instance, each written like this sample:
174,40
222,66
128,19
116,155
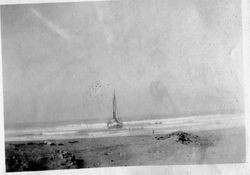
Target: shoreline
192,123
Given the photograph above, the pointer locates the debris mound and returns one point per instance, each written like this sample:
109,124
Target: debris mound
181,137
73,141
186,138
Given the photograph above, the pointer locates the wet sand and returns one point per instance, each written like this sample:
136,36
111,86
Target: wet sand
180,147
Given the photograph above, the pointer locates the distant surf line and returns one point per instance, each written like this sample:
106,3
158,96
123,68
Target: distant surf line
133,128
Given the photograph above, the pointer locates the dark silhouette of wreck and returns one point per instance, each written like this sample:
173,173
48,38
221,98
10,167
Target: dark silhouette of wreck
114,122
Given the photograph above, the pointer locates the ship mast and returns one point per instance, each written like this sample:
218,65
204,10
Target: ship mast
114,107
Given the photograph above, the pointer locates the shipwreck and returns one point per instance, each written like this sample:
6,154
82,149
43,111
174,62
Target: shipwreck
114,122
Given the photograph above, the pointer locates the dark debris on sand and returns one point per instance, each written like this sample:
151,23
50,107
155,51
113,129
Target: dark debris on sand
75,141
34,159
186,138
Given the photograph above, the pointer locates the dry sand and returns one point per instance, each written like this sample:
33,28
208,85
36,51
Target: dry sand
204,147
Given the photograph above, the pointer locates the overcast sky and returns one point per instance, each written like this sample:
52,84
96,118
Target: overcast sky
63,61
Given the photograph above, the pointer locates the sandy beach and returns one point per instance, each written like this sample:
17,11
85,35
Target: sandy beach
180,147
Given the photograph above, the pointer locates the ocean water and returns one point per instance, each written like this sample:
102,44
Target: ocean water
82,129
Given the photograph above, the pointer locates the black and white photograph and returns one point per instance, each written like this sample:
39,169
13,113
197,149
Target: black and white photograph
122,83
